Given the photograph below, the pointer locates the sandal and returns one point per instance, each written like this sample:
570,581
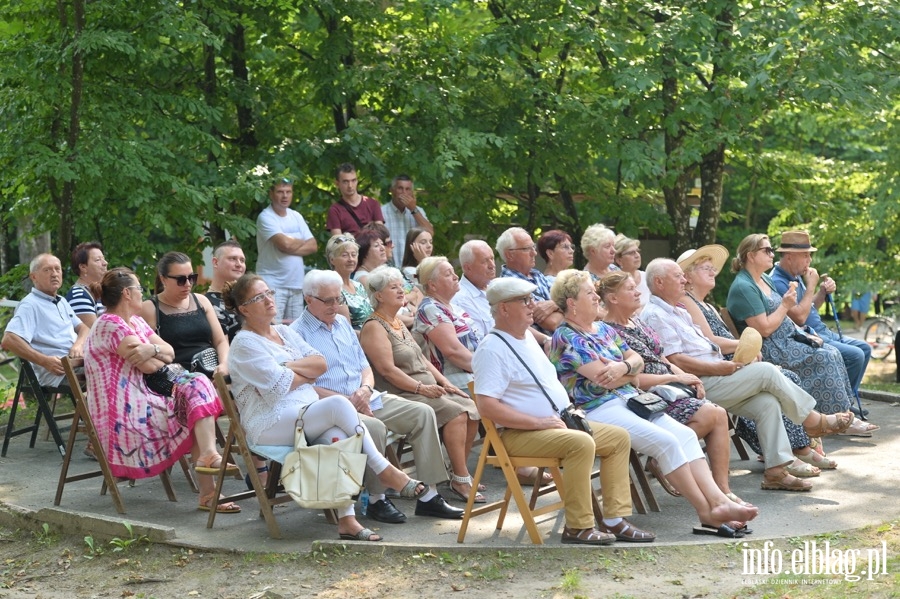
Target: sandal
586,536
860,429
801,469
464,480
210,464
628,532
260,470
409,489
653,467
818,460
221,508
842,421
363,534
723,530
532,479
482,487
785,482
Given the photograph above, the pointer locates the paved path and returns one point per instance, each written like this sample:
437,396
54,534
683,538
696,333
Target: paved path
861,492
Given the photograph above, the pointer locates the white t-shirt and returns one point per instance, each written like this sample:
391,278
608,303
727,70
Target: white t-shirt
499,374
280,270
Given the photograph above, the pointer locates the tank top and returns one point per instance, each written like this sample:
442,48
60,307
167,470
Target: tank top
187,332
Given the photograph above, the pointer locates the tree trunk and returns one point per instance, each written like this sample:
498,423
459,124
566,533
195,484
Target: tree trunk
712,174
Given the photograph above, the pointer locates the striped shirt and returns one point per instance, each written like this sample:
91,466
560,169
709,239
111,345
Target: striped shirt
343,354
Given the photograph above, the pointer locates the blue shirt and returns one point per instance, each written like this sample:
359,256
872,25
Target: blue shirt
343,354
782,280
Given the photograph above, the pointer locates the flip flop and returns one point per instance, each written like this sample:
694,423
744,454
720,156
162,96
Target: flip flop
209,464
546,479
221,508
363,534
722,530
737,526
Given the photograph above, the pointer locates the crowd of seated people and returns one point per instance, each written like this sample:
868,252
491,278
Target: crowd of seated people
410,341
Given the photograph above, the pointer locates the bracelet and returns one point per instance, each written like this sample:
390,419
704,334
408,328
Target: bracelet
369,387
632,368
419,386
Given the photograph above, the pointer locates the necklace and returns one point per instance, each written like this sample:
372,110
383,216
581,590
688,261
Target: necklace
395,324
179,308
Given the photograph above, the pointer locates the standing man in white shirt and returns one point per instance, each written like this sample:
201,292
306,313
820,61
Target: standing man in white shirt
282,239
403,213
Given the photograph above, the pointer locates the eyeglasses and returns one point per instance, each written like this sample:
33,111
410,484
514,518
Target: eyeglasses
527,301
138,287
767,250
527,248
267,294
565,246
330,301
389,243
710,269
182,280
284,181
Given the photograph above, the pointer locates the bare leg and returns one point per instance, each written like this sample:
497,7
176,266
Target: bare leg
696,484
710,423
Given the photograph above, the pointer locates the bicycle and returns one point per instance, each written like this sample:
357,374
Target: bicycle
880,336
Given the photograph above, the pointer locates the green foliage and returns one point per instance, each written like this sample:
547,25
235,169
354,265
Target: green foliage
116,544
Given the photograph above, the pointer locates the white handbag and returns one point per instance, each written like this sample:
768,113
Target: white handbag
324,476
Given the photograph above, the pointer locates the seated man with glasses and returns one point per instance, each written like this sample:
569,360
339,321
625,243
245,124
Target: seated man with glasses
518,251
282,239
350,375
44,327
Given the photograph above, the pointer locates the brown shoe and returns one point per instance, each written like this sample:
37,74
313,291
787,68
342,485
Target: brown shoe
586,536
628,532
785,482
842,421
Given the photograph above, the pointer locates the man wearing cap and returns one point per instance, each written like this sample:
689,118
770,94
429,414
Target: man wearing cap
794,265
518,251
757,390
512,397
282,239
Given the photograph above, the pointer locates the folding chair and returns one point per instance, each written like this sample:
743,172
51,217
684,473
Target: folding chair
83,424
236,441
28,381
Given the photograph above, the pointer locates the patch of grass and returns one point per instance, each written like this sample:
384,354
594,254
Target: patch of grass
571,580
882,386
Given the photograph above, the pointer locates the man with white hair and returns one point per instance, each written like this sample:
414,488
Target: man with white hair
518,399
350,375
476,258
44,328
757,391
518,251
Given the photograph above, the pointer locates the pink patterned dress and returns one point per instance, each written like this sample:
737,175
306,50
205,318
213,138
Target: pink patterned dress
141,432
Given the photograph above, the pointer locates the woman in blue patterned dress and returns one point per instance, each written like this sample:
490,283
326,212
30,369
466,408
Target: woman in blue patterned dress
598,370
753,301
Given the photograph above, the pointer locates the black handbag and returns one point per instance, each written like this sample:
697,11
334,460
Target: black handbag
205,362
646,405
163,380
573,417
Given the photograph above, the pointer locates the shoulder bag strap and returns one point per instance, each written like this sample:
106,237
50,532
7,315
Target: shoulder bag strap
537,382
351,212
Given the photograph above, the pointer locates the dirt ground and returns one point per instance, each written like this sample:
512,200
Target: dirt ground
41,565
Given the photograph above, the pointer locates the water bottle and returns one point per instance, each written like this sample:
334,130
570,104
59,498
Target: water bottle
364,502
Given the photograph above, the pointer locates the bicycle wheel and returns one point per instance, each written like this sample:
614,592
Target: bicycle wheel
880,336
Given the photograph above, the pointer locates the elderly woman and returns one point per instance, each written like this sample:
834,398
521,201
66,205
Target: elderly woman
90,266
448,335
620,294
183,318
273,370
599,370
598,244
700,269
401,368
628,258
556,250
342,252
753,301
143,433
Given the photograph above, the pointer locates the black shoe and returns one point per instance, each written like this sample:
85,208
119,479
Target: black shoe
437,507
855,411
384,511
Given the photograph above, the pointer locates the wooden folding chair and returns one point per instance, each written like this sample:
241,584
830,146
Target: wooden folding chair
236,442
493,452
28,382
83,424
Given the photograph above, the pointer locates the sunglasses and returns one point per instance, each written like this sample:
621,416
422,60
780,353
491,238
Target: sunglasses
767,250
182,280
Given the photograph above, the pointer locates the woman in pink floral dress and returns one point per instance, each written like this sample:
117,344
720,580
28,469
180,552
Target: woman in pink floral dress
141,432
